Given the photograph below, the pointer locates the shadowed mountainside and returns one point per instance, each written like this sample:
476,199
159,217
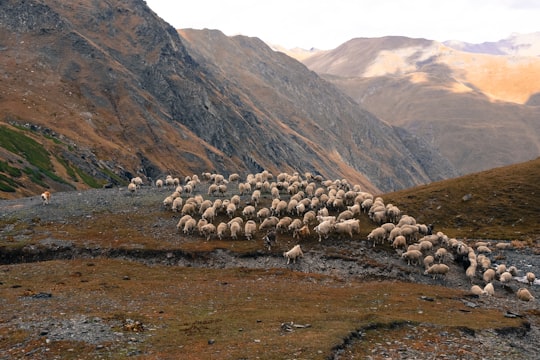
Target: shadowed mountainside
109,91
476,109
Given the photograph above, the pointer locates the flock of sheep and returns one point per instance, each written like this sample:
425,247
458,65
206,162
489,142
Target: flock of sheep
305,204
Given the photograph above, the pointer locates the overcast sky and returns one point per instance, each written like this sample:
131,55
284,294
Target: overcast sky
326,24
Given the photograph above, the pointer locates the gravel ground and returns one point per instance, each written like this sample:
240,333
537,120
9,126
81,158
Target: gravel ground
361,262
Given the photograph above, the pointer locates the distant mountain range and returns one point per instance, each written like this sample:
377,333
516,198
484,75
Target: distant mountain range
93,93
479,110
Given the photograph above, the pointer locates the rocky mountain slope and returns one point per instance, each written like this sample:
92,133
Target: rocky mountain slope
478,110
108,91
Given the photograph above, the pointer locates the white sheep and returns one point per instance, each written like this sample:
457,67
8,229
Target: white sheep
437,269
505,277
209,214
524,295
235,228
231,209
399,242
347,227
283,224
189,226
249,229
489,275
263,213
269,223
159,183
377,235
208,230
293,254
489,289
324,229
249,212
176,204
530,277
471,271
482,249
137,181
428,261
182,222
131,188
221,230
477,290
441,254
412,256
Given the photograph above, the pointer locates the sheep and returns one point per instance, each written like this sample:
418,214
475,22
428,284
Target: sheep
249,229
269,223
189,226
269,239
345,215
345,228
395,232
501,269
428,261
177,204
471,271
489,275
524,295
437,269
235,228
209,214
283,224
221,230
222,189
255,197
425,245
482,249
309,217
131,188
208,230
295,224
477,290
441,254
182,222
530,278
231,209
45,197
249,212
513,270
159,183
188,208
212,189
263,213
137,181
412,256
293,254
167,202
303,232
169,181
377,234
489,289
505,277
324,229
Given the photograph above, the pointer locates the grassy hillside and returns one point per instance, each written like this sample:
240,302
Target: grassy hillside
501,203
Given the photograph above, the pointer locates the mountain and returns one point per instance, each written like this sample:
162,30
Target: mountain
480,111
94,93
514,45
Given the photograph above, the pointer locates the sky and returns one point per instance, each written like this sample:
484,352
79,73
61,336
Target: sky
326,24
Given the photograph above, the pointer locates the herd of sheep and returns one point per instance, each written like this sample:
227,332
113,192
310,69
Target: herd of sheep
306,205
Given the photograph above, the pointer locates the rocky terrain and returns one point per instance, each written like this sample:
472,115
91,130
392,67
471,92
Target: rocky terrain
43,233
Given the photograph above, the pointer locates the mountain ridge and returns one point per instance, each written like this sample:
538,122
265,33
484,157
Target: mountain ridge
113,91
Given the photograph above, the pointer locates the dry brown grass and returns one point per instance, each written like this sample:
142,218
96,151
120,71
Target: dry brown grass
241,310
504,204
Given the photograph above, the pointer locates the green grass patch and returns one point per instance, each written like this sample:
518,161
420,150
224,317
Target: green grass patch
26,147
